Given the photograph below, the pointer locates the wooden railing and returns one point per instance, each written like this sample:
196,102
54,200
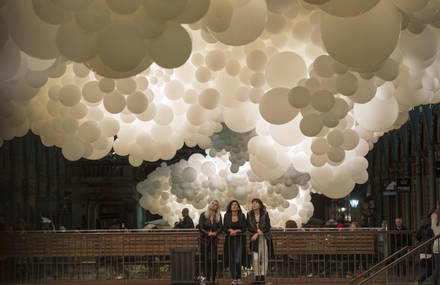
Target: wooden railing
305,255
159,242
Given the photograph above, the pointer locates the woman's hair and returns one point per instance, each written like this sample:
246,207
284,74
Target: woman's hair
290,224
217,216
228,208
262,207
432,212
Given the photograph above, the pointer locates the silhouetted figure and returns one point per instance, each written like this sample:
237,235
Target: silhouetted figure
186,222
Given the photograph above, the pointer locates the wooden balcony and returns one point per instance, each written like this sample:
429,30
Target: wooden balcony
143,256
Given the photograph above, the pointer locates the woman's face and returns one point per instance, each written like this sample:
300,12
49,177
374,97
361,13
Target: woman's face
234,207
255,205
213,205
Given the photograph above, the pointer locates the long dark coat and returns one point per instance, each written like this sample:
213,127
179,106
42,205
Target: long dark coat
264,226
205,226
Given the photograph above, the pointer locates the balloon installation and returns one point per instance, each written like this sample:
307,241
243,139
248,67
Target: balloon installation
285,104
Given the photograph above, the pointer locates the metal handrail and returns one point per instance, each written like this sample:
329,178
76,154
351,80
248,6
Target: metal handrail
166,230
400,259
379,264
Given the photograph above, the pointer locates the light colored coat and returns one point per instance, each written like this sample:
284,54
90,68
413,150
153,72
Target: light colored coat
435,226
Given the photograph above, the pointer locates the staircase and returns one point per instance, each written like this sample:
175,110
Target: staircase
409,265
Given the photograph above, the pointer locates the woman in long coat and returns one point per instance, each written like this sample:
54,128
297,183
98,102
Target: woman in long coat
261,244
210,226
235,240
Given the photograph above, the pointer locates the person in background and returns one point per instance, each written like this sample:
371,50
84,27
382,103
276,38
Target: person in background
399,225
435,226
399,239
235,240
353,226
423,234
261,239
330,224
290,224
340,225
186,222
210,226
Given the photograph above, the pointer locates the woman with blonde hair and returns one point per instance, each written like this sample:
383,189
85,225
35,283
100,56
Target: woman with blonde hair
210,226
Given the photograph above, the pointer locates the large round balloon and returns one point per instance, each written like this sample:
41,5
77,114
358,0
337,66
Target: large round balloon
287,134
418,47
241,119
285,69
241,30
94,18
172,48
348,8
98,66
10,59
359,41
51,12
165,9
121,46
275,107
75,44
266,172
194,10
30,33
410,6
378,114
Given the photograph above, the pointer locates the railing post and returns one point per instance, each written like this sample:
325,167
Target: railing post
123,256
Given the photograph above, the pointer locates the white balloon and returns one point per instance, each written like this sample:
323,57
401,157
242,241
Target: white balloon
287,134
378,114
242,119
311,124
361,36
285,69
89,131
72,148
241,31
275,107
164,115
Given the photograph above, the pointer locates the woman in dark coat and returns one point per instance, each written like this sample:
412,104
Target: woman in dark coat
210,226
261,239
235,240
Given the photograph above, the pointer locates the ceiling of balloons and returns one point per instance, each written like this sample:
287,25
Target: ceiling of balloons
286,96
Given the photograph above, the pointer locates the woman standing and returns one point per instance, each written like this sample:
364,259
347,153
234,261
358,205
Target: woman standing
235,240
261,239
210,225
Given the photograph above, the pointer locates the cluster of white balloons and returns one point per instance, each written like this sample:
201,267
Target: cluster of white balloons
194,183
308,85
114,38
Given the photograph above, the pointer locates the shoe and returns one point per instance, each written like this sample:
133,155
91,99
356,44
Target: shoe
234,282
239,282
